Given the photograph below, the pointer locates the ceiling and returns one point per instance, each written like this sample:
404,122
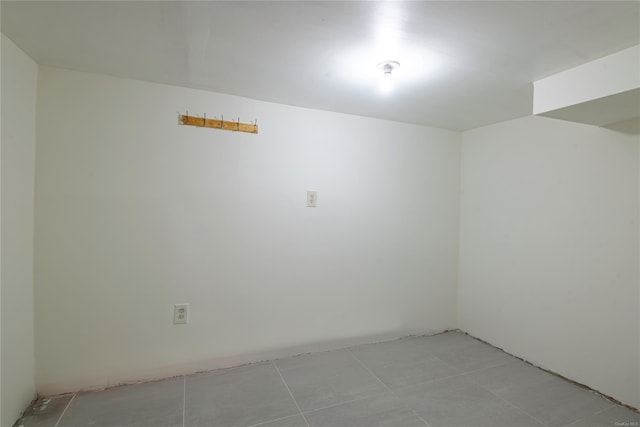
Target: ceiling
462,64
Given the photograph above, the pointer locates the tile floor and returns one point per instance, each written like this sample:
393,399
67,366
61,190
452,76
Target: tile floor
446,380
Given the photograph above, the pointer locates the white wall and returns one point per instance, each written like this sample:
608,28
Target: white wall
549,248
135,213
612,74
19,80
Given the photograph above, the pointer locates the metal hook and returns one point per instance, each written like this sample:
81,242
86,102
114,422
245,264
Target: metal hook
204,120
222,122
238,123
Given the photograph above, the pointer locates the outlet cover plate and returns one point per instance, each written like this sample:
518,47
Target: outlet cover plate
180,314
312,198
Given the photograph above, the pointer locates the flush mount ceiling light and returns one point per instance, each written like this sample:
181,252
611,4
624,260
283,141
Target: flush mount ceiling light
387,67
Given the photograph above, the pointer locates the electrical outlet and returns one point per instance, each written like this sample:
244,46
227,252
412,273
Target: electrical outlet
180,314
312,198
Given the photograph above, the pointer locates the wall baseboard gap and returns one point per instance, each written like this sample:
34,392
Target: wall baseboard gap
581,385
247,360
549,371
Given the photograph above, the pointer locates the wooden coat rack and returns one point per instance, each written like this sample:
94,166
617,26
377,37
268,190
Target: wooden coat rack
203,122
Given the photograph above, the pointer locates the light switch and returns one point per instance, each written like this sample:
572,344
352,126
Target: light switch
312,198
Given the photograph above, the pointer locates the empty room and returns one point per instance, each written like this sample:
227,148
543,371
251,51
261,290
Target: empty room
320,214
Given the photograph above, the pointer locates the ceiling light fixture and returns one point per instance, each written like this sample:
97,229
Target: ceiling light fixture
387,67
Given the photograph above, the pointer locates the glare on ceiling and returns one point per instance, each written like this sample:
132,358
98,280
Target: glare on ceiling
389,41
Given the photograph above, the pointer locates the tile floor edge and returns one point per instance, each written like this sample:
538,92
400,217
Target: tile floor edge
579,384
549,371
99,388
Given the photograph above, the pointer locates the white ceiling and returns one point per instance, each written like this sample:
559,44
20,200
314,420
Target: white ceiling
463,64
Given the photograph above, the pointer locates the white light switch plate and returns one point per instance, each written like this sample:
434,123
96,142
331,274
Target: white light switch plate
312,198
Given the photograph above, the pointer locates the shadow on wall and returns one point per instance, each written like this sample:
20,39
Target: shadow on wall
631,126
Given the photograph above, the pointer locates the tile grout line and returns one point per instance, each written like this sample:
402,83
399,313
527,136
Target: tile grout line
184,400
338,404
65,410
473,371
223,370
540,421
464,373
290,394
592,415
613,405
387,387
369,370
406,386
509,403
459,374
611,400
273,421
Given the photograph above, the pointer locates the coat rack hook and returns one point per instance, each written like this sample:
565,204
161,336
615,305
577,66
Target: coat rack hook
217,124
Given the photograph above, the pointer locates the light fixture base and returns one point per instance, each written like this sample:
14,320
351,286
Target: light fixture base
387,67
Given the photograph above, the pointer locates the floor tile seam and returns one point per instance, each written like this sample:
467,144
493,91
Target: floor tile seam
289,391
449,364
184,401
312,366
413,385
335,405
273,421
613,405
419,417
428,381
353,401
479,369
65,410
610,399
551,377
424,358
219,371
510,403
588,416
576,391
389,389
473,371
369,371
